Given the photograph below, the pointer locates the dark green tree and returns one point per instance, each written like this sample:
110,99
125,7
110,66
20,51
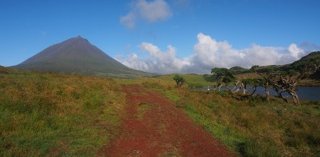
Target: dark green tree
222,76
254,68
179,80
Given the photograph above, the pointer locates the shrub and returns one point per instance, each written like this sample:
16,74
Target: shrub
179,80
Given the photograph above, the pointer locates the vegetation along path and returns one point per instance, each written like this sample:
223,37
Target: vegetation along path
153,126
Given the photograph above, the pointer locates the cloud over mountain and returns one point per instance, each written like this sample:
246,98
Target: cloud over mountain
208,53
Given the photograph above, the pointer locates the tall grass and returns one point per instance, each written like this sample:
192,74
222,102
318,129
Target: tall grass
256,128
57,115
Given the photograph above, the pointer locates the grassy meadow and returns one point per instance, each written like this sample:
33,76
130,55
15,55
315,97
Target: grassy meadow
251,127
45,114
57,115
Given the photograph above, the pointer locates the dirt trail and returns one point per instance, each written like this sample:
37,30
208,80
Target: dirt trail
154,127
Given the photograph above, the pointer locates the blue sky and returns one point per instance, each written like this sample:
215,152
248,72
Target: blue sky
140,32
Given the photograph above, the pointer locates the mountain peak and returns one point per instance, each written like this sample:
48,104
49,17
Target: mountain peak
76,55
78,39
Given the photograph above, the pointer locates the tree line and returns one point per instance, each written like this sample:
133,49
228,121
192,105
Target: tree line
282,82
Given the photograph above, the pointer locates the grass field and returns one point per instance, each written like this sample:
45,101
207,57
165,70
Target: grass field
57,115
192,80
250,127
256,128
44,114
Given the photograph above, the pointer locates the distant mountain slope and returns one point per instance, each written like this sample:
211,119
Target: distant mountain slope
238,70
77,55
310,60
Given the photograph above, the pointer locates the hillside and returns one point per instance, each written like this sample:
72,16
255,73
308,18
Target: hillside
77,55
310,60
313,59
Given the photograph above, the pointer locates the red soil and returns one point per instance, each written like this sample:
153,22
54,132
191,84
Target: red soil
160,129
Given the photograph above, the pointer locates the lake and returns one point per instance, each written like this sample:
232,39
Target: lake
305,93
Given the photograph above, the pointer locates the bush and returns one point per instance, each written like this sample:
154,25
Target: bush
179,80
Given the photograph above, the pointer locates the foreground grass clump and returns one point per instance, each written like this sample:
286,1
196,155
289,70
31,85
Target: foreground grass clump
250,127
57,115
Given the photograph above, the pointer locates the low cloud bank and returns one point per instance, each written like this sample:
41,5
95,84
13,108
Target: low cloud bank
209,53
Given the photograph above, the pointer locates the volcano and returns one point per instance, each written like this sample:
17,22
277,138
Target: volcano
77,56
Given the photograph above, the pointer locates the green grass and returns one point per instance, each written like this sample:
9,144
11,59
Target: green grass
69,115
249,127
192,80
255,127
57,115
222,132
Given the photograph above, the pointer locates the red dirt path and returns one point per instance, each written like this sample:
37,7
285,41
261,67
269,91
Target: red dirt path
154,127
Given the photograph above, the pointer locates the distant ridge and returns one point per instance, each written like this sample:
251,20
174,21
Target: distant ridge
312,59
78,56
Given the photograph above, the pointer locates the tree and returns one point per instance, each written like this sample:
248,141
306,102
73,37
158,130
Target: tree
179,80
266,78
222,76
285,81
253,83
254,68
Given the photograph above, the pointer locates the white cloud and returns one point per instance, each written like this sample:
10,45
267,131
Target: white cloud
260,55
157,62
128,20
295,51
150,11
209,53
135,62
154,10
